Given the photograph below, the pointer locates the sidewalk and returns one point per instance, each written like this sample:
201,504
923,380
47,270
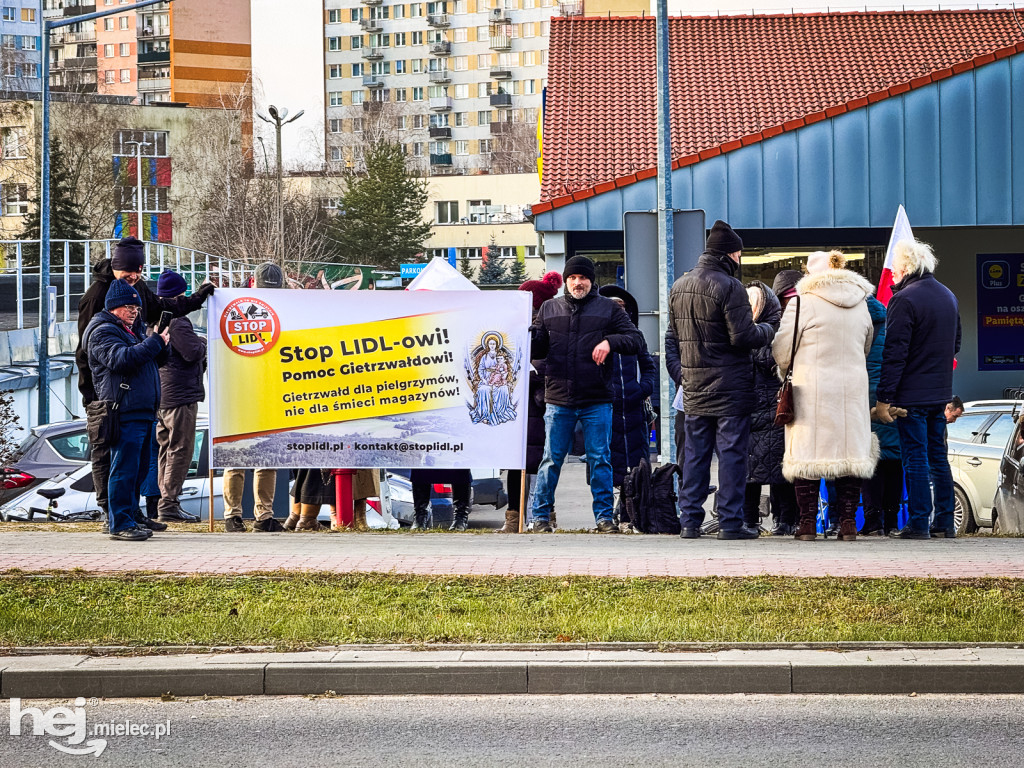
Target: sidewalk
494,672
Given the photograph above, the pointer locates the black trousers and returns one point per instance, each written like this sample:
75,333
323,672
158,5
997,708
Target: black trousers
781,502
882,494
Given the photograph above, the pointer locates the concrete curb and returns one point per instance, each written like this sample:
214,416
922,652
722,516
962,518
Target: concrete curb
460,672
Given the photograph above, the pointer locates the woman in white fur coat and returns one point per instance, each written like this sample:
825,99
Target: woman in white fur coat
830,436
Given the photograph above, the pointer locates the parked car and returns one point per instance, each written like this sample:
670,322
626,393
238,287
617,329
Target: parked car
1008,505
975,447
48,450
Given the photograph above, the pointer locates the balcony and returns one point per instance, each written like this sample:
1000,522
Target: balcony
371,25
441,104
444,48
81,37
373,81
80,62
444,132
155,57
439,161
498,16
441,76
501,42
372,54
439,20
499,127
570,8
371,2
501,100
501,73
151,84
151,33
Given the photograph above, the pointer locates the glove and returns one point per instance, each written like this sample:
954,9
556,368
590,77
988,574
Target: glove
205,291
883,414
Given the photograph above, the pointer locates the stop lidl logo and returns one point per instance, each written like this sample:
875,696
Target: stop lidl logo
249,326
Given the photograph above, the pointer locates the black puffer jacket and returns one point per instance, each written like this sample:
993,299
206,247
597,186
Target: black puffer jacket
709,309
117,355
565,333
535,432
181,378
92,303
767,442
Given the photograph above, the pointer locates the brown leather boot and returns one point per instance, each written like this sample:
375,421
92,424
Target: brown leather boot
511,522
308,518
848,490
847,530
807,504
359,515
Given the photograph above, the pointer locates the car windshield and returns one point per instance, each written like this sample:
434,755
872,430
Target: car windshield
74,447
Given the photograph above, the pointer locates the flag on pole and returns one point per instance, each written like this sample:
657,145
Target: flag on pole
900,231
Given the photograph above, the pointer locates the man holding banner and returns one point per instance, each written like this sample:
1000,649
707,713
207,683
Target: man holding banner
576,334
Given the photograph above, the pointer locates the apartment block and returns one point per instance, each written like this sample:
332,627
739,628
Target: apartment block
20,43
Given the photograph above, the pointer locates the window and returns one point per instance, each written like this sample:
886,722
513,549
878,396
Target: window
483,60
483,90
28,14
417,65
417,149
126,75
461,119
528,30
357,125
439,121
380,41
417,94
400,122
460,63
334,17
483,117
545,27
400,67
459,6
400,94
123,22
529,58
356,42
335,154
154,143
399,11
999,431
470,253
15,199
460,35
334,98
12,146
30,69
418,121
335,71
482,33
154,199
109,76
108,51
10,14
28,43
462,91
530,115
126,49
355,14
415,10
446,211
399,39
485,146
416,38
381,68
357,97
9,41
108,24
333,43
436,91
357,69
461,147
334,125
529,86
967,427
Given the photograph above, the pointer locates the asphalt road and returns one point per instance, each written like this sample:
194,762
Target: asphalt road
806,731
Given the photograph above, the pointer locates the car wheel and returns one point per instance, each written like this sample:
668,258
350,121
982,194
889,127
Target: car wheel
963,515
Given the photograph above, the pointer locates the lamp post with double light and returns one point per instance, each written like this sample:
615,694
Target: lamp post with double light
277,119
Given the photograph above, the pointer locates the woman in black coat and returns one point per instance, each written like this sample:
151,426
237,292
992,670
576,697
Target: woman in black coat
767,442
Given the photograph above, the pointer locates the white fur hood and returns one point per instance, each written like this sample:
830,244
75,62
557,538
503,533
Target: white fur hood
840,287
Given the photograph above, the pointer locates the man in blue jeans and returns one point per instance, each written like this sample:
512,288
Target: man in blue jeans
922,337
575,334
123,361
714,327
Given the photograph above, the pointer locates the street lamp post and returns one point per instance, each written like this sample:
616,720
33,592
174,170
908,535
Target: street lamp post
138,182
44,196
277,119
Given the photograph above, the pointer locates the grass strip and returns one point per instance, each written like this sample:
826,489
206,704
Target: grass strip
300,610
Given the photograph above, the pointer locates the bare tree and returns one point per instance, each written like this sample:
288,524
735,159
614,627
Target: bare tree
373,122
515,147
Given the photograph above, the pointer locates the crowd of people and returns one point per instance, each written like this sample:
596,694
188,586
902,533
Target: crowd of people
871,397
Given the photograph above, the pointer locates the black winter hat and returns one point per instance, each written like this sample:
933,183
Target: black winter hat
580,265
129,255
785,282
269,275
632,308
170,284
120,294
723,239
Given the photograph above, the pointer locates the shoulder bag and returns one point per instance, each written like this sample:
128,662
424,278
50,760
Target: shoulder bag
784,413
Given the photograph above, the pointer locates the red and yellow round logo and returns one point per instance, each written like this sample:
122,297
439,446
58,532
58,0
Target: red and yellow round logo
249,326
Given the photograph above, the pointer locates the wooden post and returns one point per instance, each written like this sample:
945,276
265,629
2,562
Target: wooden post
210,496
522,499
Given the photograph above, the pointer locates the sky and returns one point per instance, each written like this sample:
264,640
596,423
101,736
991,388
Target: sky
288,61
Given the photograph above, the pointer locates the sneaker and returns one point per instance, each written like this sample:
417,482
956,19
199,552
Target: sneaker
742,532
234,525
909,533
154,525
542,526
130,534
177,515
607,526
270,525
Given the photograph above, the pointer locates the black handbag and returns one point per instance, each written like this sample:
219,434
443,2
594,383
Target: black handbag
784,409
103,422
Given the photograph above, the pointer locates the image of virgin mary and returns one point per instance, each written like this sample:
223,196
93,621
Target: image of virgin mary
493,379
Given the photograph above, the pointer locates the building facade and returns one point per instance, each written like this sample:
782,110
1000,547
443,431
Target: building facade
20,43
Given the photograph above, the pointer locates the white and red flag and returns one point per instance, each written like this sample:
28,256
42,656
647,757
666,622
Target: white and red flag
900,231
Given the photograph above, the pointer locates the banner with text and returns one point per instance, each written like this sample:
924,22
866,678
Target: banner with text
347,379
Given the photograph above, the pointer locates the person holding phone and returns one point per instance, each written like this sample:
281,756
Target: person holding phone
181,391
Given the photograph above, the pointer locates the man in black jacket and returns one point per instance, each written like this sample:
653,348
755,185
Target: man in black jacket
922,337
124,361
181,391
126,264
576,333
711,315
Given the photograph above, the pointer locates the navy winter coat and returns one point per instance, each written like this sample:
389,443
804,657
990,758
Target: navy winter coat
634,378
565,332
709,309
181,378
767,442
117,355
922,336
888,435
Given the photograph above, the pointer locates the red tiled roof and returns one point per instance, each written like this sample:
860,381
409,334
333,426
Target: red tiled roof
736,80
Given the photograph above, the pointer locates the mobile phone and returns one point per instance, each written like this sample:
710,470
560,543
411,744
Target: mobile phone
165,320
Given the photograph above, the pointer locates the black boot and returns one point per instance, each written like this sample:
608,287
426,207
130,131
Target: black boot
873,525
460,498
420,504
152,504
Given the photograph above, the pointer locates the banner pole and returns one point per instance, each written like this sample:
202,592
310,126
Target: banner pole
523,480
210,496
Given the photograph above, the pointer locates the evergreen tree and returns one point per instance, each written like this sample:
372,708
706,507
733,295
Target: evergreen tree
65,218
466,268
380,220
493,272
517,272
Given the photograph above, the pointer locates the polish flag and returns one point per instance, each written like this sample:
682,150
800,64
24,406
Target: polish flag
900,231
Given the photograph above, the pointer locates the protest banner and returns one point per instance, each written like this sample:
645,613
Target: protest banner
368,379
